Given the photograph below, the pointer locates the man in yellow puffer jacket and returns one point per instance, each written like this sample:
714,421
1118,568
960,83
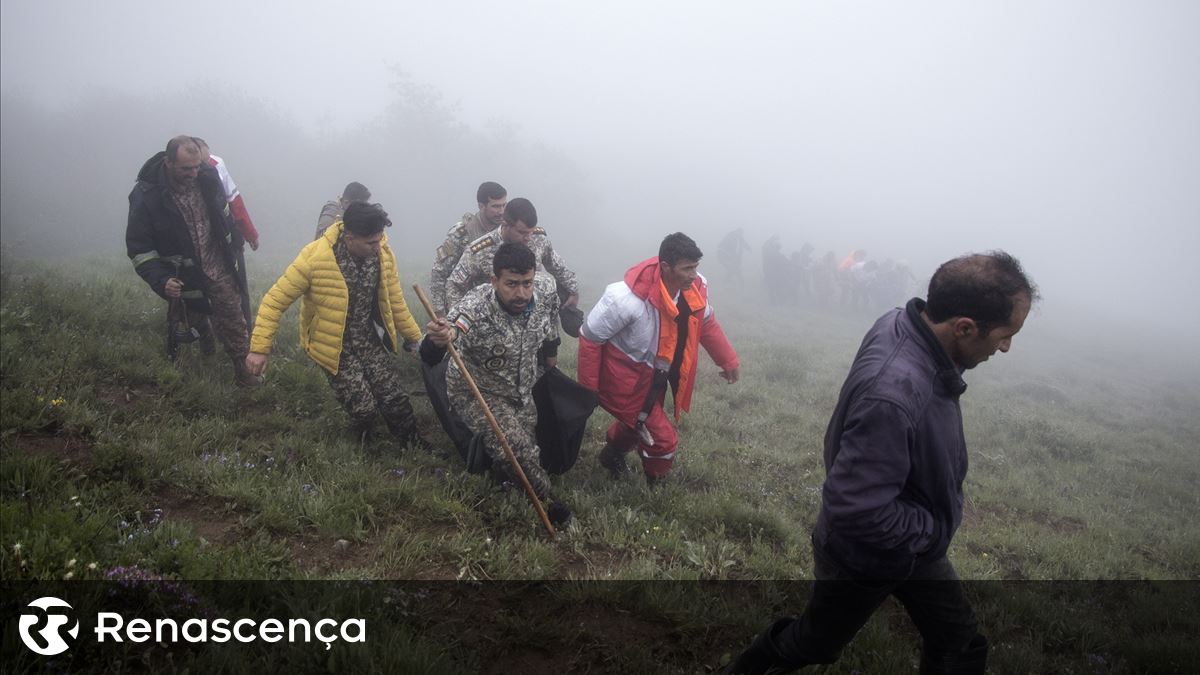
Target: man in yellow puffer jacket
352,315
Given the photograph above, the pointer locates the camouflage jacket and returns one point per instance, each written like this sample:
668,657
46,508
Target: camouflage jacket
465,231
330,213
475,267
501,349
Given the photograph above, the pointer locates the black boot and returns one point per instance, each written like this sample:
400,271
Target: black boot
655,482
498,473
360,430
970,661
408,436
208,343
559,514
400,420
762,657
415,441
614,460
242,376
172,343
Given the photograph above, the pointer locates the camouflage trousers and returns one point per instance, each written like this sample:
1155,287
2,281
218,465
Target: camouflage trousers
518,424
227,321
368,382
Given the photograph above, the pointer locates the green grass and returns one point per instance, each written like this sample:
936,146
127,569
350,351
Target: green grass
114,457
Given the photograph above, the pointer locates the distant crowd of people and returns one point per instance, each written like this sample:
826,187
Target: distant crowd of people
798,278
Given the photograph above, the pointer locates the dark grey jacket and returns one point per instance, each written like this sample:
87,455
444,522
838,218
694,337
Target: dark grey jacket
157,238
895,456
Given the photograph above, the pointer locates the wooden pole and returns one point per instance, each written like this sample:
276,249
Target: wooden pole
512,458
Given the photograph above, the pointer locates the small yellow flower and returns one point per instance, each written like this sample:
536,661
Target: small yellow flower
985,555
58,401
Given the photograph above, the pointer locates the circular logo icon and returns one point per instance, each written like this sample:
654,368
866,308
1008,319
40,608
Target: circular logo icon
43,623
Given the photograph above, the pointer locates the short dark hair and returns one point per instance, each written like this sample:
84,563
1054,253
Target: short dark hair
676,247
514,257
356,192
520,209
979,286
365,219
489,191
178,142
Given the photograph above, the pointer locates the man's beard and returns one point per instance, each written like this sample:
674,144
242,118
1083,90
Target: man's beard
512,309
184,183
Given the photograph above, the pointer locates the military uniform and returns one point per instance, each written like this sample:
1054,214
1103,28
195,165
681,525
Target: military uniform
465,231
330,213
367,379
475,267
502,352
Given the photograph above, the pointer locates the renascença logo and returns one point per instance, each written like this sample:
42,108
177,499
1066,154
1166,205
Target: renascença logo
42,626
46,619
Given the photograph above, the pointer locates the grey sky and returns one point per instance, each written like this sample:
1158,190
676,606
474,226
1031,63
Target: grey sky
1065,132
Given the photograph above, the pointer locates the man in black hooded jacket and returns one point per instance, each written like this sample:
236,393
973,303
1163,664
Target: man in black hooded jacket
182,242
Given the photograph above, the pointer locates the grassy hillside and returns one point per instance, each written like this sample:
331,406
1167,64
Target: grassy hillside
115,460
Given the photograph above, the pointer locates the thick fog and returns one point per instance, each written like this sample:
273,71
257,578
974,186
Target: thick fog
1066,133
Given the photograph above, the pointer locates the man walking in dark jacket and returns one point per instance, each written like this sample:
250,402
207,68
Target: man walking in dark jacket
895,460
182,242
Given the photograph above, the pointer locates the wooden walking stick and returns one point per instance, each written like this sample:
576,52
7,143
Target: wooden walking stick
508,452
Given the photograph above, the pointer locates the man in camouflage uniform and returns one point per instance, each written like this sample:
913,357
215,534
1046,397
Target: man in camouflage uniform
351,292
520,226
334,208
505,333
367,380
491,197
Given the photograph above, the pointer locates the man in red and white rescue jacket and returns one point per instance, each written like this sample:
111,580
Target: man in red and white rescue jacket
641,337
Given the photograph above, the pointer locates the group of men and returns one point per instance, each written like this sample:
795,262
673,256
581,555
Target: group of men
500,292
894,451
502,303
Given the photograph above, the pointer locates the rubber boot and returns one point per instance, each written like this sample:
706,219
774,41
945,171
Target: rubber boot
762,657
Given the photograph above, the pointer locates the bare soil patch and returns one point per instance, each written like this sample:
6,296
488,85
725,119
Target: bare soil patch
66,449
211,518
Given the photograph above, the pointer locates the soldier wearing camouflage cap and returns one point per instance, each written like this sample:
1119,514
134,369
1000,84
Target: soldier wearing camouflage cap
335,208
520,226
492,198
506,333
